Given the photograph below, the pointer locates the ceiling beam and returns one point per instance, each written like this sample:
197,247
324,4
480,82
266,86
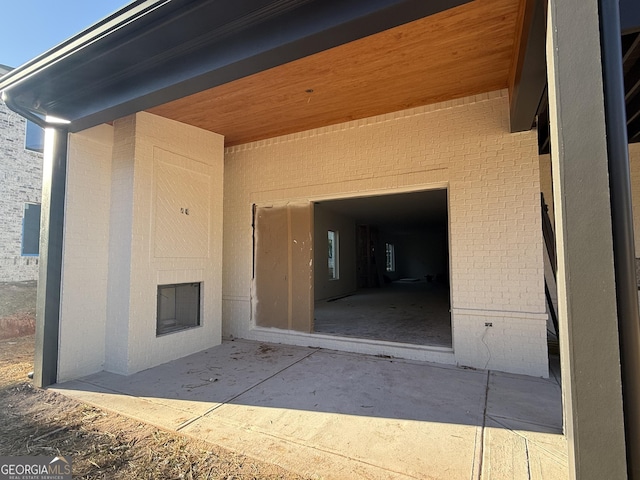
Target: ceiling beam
528,75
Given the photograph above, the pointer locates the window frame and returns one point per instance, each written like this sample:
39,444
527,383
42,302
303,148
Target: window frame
33,137
24,224
390,257
333,254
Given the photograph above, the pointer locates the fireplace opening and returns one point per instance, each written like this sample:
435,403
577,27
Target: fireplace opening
178,307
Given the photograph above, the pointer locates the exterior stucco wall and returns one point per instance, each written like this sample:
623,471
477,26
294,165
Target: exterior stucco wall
20,183
125,234
495,232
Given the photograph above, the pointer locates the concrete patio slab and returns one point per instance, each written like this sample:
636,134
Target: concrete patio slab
330,415
146,410
522,453
206,379
517,399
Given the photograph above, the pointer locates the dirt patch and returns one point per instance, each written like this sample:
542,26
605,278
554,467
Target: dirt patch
17,325
17,309
104,445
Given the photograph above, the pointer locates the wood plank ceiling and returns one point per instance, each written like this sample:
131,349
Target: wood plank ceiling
456,53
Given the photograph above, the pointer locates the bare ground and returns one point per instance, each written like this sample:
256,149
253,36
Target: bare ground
102,445
17,309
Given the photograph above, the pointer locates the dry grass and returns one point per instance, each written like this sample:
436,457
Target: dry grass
17,309
103,445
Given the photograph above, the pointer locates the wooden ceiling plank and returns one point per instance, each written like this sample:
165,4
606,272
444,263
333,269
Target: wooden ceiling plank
456,53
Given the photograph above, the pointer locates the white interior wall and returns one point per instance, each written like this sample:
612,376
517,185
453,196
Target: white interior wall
83,309
494,211
325,220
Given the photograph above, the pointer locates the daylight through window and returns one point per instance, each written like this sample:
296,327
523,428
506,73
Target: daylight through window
391,257
332,238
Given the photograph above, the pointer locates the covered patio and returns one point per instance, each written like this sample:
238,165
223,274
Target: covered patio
330,414
174,127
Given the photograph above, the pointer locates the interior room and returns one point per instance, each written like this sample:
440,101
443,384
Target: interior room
382,268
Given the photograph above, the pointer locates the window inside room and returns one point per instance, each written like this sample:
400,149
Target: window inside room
178,307
31,230
391,257
332,239
34,137
393,266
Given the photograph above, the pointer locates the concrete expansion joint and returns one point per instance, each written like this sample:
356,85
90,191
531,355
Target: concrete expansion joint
118,392
194,419
527,441
480,455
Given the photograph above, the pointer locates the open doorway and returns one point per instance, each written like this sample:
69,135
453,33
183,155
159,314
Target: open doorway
382,268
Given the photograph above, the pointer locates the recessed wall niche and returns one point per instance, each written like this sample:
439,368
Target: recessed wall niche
182,200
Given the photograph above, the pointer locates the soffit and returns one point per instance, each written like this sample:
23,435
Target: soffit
156,51
460,52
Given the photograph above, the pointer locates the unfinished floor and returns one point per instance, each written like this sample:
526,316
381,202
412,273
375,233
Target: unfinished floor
333,415
406,312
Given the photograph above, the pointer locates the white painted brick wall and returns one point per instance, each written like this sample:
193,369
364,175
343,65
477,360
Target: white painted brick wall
119,256
86,249
134,271
494,189
110,272
20,183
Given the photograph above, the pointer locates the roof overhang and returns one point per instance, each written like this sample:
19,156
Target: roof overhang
155,51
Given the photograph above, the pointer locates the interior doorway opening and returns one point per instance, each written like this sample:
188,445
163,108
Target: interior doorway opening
392,255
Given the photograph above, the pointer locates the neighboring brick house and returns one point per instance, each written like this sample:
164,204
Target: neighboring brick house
20,194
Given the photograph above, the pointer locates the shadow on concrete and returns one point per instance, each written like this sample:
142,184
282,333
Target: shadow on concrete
295,378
